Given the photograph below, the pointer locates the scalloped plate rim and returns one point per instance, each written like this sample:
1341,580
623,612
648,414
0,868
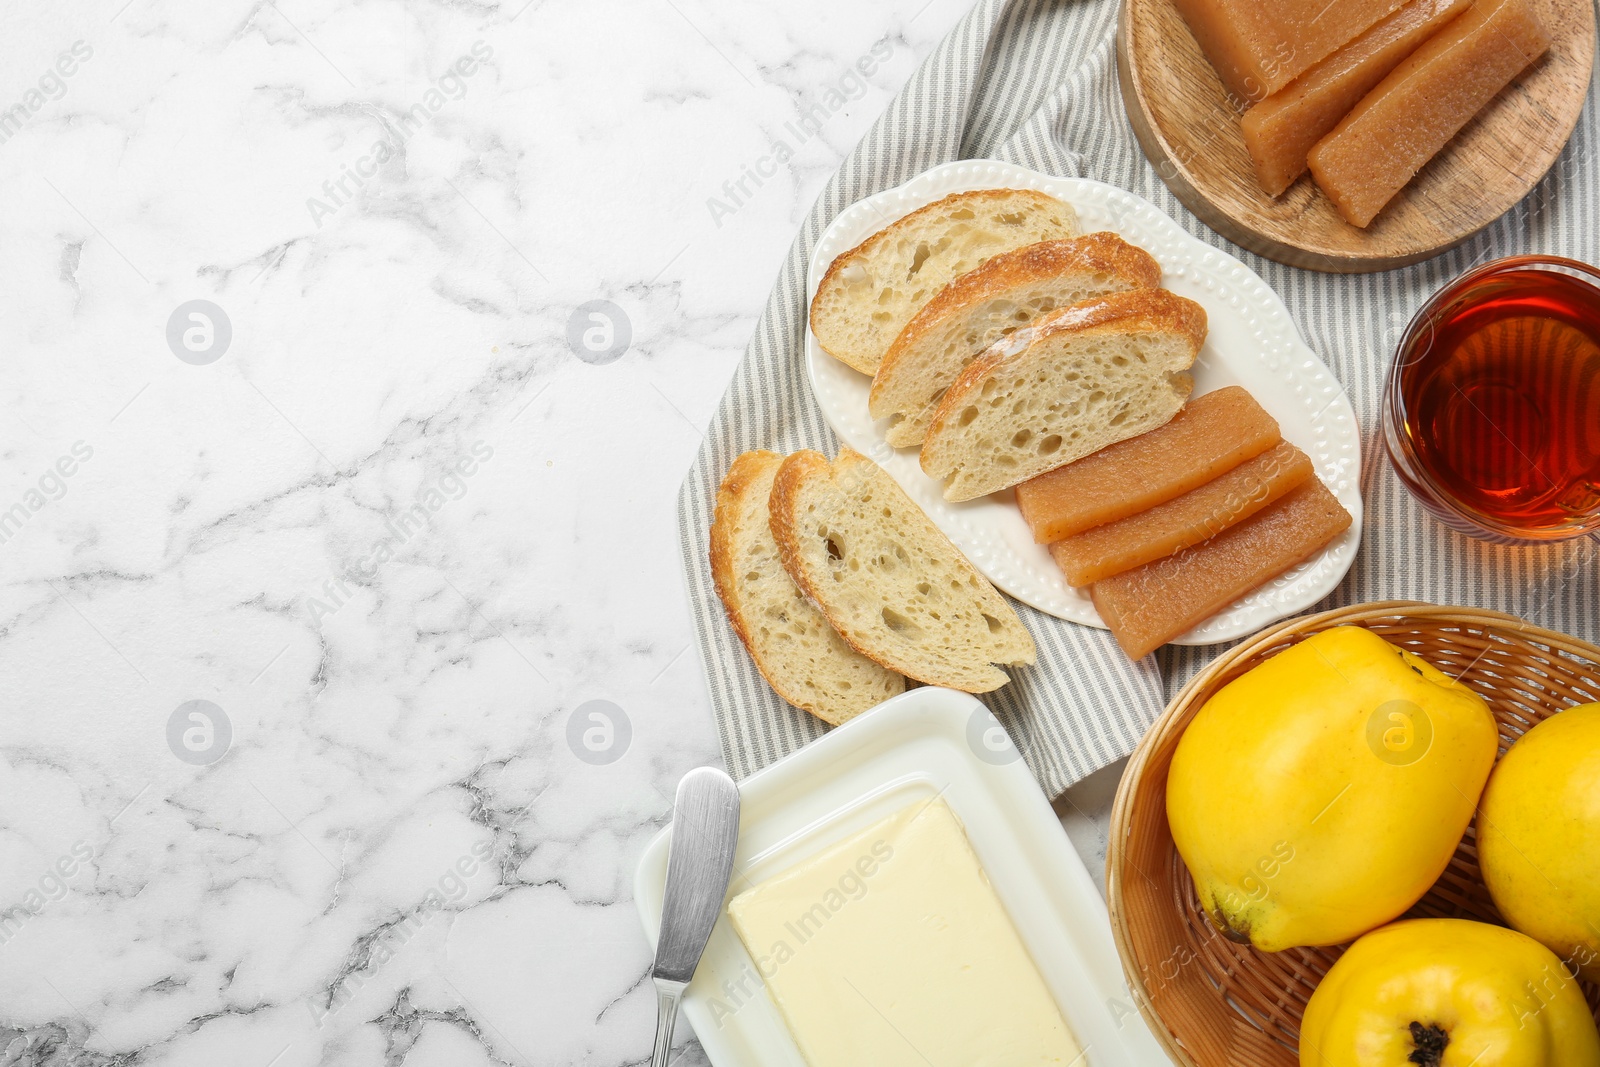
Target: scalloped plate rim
1235,298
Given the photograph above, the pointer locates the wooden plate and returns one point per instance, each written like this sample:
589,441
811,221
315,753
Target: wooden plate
1190,131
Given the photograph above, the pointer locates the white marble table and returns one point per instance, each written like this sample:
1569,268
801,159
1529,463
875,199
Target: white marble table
306,583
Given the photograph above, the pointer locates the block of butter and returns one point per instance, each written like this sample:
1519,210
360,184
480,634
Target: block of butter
891,948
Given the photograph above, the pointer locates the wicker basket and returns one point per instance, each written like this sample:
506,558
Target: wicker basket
1213,1003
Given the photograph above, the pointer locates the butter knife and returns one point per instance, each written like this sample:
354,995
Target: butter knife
705,830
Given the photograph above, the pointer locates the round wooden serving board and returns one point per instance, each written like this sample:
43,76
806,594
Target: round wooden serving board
1190,131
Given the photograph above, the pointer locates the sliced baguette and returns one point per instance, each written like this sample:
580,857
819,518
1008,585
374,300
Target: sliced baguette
983,305
870,292
795,648
887,579
1077,380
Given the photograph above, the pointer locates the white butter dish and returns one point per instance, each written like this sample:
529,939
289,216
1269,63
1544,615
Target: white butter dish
928,742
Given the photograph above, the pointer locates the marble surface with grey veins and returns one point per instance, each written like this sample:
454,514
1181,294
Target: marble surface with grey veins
353,353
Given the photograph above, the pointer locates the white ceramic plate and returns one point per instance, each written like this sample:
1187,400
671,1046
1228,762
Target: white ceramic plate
924,743
1252,343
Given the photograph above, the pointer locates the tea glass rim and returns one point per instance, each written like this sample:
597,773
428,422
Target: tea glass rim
1397,442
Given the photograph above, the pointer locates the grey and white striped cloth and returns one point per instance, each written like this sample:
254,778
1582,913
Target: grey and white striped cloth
1034,82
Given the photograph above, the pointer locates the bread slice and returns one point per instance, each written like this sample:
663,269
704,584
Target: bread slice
870,292
888,580
983,305
1077,380
795,648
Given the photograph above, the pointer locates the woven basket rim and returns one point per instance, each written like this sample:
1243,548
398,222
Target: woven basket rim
1178,709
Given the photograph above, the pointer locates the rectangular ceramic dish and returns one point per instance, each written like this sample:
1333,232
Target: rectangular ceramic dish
927,742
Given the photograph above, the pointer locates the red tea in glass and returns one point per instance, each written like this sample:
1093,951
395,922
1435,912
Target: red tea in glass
1493,410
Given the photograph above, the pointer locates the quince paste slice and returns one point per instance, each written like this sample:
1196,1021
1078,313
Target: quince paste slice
1424,102
1281,130
1259,46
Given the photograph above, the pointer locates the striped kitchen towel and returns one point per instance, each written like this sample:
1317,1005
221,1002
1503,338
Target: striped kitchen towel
1034,82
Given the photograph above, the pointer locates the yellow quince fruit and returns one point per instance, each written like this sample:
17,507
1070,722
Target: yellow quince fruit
1448,993
1320,794
1539,836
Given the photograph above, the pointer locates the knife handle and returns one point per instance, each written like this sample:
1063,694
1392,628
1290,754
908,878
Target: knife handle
668,994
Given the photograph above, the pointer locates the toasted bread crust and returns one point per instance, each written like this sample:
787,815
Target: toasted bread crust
796,469
786,487
849,458
1133,312
746,476
785,491
746,469
844,259
1099,252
